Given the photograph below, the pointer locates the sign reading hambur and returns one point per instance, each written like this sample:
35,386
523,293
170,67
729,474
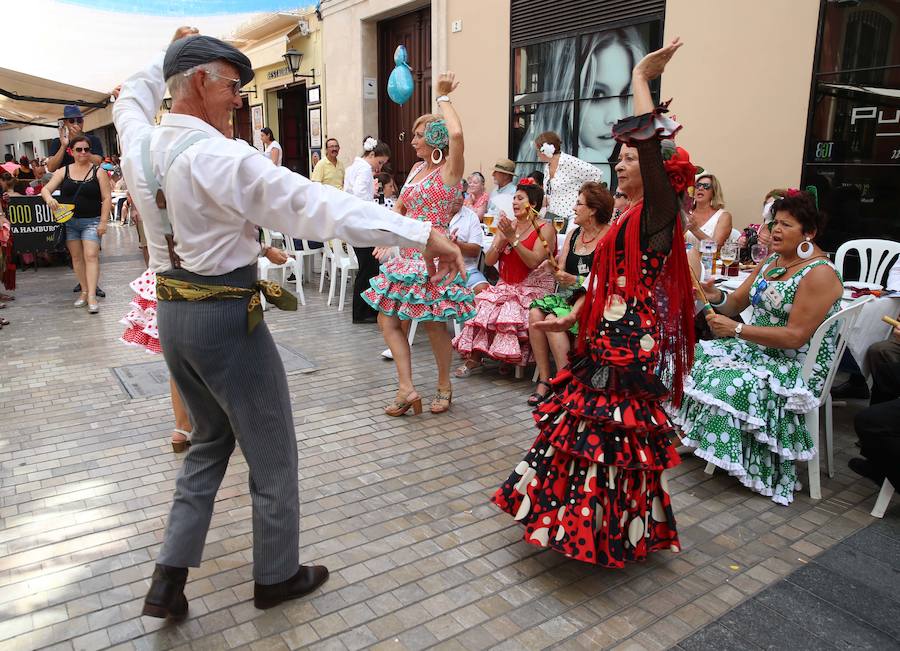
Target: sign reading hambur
32,224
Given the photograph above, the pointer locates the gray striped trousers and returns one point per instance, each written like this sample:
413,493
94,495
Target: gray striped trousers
235,388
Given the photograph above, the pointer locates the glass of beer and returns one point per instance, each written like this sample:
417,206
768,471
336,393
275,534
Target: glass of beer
728,254
559,223
488,220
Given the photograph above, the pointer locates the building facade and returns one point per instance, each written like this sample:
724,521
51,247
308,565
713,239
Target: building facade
748,87
288,102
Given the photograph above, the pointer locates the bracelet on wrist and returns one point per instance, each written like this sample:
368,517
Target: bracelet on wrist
721,301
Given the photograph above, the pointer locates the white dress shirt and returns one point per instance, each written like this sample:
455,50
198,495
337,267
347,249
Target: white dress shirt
468,230
219,190
359,180
893,279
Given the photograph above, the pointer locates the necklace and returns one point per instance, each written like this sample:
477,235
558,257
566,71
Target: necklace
777,272
585,241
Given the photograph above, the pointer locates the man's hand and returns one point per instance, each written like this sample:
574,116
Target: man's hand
276,255
449,258
63,137
181,32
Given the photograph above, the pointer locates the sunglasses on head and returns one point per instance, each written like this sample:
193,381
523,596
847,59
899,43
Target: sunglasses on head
75,120
704,186
81,149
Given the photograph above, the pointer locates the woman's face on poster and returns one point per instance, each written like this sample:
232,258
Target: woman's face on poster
606,82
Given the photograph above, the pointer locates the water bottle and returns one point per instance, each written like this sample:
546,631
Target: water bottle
707,249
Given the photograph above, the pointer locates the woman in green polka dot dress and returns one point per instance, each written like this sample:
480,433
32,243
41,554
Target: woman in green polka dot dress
744,402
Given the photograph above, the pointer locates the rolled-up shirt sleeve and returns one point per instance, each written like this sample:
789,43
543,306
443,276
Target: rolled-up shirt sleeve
287,202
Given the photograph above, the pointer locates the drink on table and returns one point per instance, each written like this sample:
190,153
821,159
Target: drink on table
707,249
488,220
759,252
728,254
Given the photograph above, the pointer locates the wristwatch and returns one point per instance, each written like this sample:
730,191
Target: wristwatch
442,98
737,330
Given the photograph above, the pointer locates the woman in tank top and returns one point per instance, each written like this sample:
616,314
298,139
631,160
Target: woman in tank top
593,210
708,220
82,184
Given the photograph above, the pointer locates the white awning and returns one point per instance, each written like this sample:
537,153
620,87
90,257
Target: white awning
269,51
42,112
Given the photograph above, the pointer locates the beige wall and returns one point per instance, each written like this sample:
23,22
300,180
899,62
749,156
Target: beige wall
479,55
741,89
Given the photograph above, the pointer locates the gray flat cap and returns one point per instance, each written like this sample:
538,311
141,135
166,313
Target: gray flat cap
185,53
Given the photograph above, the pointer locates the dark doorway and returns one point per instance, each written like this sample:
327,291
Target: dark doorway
292,128
394,121
242,123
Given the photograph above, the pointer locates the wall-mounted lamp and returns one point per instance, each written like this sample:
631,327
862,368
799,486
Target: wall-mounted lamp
293,60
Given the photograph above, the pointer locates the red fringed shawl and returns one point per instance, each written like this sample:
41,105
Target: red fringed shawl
673,295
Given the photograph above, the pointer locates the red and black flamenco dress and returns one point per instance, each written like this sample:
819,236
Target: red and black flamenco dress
593,485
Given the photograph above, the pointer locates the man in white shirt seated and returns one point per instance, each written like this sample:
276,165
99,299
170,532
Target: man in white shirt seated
503,175
201,194
465,230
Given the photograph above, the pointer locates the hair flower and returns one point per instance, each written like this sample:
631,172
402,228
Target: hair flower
680,170
547,149
527,180
369,144
436,134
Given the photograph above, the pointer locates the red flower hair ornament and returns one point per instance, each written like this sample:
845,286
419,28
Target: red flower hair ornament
527,181
679,168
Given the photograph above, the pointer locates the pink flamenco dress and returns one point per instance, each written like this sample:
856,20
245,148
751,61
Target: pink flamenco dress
402,288
140,322
500,327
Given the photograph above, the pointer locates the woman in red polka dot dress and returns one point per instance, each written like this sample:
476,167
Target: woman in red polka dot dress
593,484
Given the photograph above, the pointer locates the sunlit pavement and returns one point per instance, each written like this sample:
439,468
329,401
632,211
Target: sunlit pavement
397,508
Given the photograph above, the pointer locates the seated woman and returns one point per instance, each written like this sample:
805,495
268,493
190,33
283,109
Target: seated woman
592,214
500,326
708,220
745,402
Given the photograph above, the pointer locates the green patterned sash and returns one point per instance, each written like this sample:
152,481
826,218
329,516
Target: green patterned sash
169,289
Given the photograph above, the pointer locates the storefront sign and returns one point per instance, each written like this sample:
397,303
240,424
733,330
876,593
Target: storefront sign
32,224
278,72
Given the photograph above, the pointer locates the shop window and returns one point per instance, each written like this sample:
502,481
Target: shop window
579,87
853,139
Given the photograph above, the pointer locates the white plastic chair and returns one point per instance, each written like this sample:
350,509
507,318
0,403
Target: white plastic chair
307,254
343,261
875,258
327,260
843,321
264,266
884,499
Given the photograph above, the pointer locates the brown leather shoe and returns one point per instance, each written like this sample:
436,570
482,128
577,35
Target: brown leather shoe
165,598
307,579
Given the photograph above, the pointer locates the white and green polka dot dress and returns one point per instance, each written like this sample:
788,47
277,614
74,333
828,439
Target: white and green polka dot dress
744,403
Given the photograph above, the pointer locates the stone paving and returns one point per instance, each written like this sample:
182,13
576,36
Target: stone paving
397,508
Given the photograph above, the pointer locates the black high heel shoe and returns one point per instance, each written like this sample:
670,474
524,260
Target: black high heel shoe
536,398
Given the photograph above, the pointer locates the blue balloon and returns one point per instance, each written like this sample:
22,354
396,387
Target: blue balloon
400,84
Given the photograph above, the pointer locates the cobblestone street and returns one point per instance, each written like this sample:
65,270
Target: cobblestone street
397,508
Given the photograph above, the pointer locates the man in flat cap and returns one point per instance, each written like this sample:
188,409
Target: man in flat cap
201,196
